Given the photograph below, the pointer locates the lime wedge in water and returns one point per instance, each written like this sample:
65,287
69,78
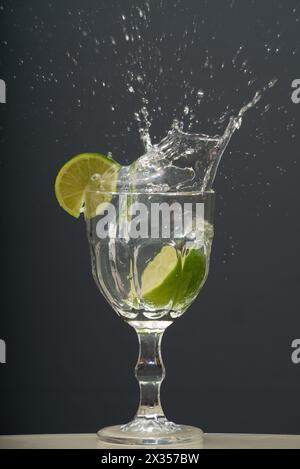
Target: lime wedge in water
173,281
192,279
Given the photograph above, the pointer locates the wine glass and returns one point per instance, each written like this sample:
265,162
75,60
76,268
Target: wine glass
150,257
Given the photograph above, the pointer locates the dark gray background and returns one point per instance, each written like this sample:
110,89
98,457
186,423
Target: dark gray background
69,357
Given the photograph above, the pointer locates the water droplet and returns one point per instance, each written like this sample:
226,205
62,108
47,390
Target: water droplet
140,12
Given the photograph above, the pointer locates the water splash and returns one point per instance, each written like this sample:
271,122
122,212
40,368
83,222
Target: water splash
182,161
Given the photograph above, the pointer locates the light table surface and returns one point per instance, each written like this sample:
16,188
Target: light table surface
90,441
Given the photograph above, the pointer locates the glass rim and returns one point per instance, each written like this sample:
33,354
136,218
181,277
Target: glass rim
171,193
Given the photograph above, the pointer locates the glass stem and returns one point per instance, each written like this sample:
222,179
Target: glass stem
150,373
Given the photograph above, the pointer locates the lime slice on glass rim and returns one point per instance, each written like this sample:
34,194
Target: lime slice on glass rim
171,280
73,183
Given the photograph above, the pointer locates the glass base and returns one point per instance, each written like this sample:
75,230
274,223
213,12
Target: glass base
145,432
